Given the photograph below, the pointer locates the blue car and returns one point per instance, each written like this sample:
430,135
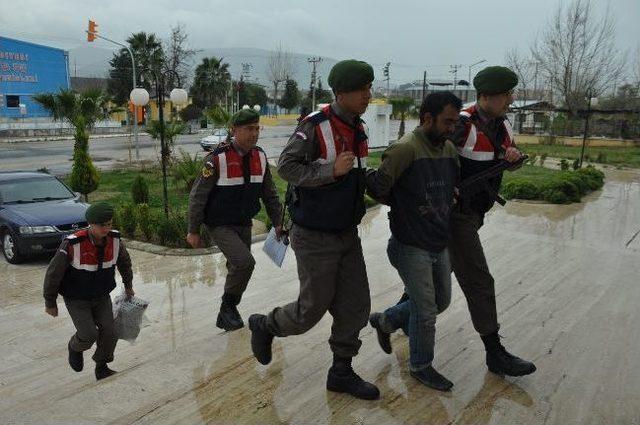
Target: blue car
37,211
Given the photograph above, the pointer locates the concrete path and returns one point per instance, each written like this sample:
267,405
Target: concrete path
568,295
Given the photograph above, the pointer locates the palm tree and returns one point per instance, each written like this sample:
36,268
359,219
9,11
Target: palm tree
401,105
81,110
211,81
148,53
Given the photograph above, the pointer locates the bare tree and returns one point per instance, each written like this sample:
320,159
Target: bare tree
577,53
179,57
279,69
636,67
524,67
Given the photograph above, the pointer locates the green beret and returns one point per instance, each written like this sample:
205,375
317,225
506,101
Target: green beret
245,116
495,80
100,212
350,75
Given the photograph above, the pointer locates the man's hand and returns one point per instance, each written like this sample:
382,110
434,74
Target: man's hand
279,232
194,240
52,311
512,154
343,164
129,292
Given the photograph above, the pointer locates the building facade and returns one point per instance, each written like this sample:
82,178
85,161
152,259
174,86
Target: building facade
27,69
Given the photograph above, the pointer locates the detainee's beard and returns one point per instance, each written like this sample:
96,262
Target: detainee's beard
435,136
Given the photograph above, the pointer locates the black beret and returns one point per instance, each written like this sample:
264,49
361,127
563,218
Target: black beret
495,80
245,116
100,212
350,75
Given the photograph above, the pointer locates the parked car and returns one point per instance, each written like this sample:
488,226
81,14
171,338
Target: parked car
37,211
218,136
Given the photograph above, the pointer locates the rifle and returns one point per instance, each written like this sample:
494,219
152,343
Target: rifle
480,182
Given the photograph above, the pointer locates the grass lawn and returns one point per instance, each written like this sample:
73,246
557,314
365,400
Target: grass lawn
618,156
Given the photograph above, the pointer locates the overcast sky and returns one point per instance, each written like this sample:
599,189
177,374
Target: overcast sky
412,35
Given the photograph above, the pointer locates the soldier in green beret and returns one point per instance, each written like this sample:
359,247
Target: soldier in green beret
83,272
324,163
225,197
483,137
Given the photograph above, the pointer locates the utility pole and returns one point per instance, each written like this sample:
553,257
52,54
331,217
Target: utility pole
454,71
314,62
385,72
424,85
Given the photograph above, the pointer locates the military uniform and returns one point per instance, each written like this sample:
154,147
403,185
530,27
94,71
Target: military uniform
325,212
83,272
225,197
482,141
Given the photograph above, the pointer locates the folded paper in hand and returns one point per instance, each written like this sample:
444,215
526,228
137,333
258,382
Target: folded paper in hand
274,248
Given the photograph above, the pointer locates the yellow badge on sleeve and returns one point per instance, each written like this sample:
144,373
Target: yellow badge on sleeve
206,172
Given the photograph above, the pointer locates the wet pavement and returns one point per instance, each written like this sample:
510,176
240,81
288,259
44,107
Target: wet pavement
568,294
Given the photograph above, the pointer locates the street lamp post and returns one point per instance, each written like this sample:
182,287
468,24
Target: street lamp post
472,65
140,97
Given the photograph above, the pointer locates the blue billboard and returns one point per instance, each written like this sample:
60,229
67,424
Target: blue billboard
27,69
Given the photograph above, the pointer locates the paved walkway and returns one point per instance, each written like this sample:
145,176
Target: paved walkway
568,296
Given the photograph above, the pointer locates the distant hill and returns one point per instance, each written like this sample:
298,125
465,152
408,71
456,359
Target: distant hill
89,61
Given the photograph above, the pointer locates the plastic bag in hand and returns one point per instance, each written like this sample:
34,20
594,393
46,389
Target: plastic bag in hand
127,313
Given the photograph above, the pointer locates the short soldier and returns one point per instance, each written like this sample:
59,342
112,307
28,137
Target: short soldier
226,196
324,161
484,137
83,272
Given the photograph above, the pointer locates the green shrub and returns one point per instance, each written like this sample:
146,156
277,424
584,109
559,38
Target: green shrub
564,164
594,178
146,222
128,220
570,190
84,175
186,170
521,189
140,190
172,230
555,196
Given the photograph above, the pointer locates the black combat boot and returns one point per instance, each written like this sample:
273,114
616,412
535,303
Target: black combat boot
103,371
261,338
76,359
432,379
501,362
384,338
342,379
229,318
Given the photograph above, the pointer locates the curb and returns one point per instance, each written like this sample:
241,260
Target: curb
190,252
65,138
181,252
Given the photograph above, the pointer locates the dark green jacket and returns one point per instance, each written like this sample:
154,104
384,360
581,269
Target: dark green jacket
417,179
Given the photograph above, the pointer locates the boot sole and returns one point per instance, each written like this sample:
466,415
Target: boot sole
501,372
433,387
336,390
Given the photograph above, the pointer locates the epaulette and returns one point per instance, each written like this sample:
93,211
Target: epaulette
222,147
315,117
74,239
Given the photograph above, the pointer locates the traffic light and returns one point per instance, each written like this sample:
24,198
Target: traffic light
385,70
92,31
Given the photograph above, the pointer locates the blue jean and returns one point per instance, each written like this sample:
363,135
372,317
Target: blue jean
427,279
